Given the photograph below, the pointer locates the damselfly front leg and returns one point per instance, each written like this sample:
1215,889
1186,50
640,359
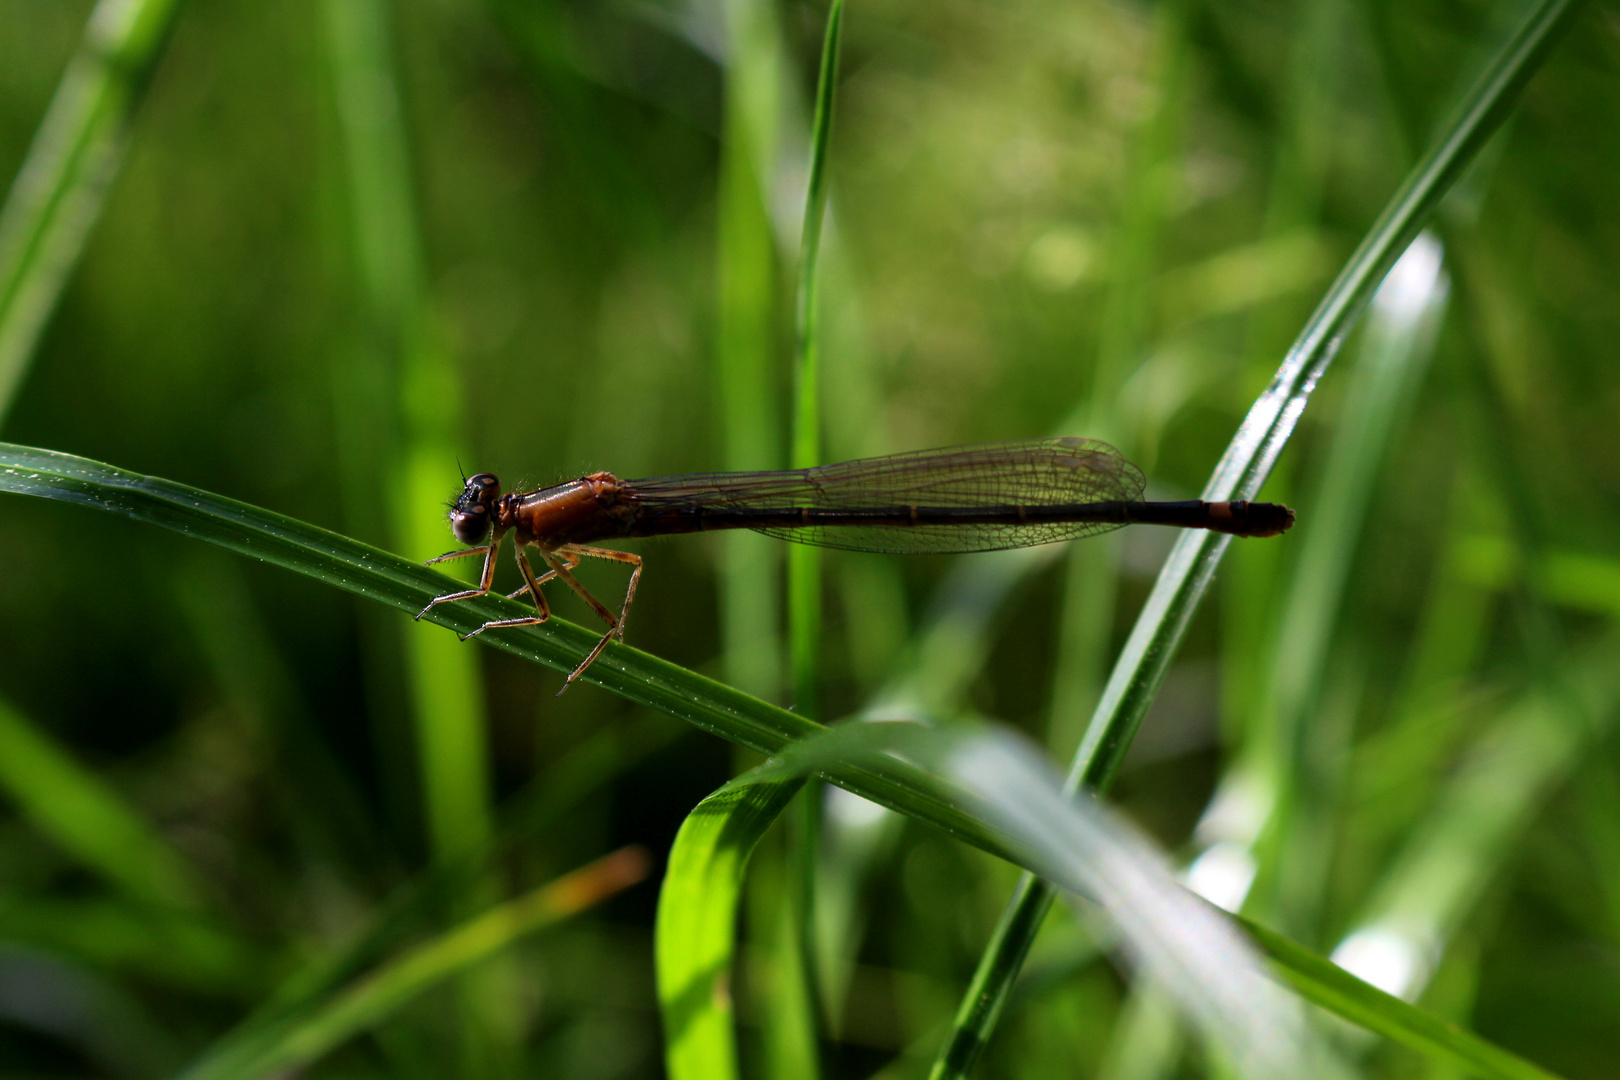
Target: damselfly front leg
486,578
531,586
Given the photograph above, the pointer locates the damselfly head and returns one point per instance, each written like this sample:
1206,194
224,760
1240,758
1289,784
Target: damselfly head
473,512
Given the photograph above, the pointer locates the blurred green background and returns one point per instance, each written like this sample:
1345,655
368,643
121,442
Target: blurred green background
348,242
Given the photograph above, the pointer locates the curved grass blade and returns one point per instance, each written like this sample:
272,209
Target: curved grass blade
326,556
59,190
1170,936
1394,355
1239,475
378,575
303,1038
1323,982
697,924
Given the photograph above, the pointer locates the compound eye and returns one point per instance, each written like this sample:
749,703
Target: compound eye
483,482
470,524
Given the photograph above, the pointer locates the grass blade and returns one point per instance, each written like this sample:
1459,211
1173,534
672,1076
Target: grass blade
1171,937
57,195
637,676
1320,980
1394,355
746,345
804,561
697,925
1243,469
301,1040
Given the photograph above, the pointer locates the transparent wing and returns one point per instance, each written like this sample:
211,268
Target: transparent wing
1032,472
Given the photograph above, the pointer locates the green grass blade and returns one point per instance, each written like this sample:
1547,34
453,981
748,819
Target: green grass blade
804,561
1323,982
377,575
446,700
794,1028
697,925
58,193
1264,432
1242,470
369,572
80,813
1170,937
1393,357
745,354
299,1041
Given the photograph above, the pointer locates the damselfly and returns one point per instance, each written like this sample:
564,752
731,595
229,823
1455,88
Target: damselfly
959,499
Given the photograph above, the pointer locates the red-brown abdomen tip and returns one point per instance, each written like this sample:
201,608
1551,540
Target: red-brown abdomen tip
1269,519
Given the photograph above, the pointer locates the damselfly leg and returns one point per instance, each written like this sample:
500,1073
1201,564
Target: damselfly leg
559,562
486,577
615,625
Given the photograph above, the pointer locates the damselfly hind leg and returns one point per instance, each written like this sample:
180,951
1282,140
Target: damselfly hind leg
615,625
615,556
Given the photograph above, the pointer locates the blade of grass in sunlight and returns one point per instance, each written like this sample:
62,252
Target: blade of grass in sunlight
299,1041
746,332
804,560
1243,469
1172,937
366,571
795,1028
76,810
57,194
1266,782
697,925
357,568
1322,981
447,702
421,411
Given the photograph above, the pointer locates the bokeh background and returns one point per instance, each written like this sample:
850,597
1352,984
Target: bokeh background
348,243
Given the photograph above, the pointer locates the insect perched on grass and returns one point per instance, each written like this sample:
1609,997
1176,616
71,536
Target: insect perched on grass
959,499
